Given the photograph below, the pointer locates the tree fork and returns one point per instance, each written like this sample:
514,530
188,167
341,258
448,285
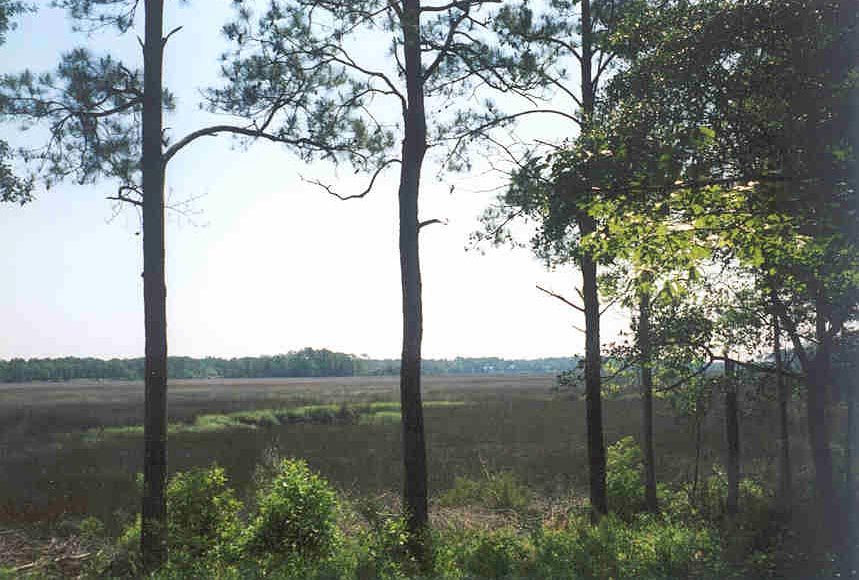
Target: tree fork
153,537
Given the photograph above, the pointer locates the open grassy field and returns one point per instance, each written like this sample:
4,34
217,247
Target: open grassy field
75,448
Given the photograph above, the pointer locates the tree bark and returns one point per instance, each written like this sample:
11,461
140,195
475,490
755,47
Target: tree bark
784,499
699,419
593,394
732,431
646,372
818,430
852,558
414,147
153,537
817,373
587,225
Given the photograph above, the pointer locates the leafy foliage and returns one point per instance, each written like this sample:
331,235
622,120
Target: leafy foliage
624,478
646,548
203,516
295,518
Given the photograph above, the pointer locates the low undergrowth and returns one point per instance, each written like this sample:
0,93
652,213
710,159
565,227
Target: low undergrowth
297,526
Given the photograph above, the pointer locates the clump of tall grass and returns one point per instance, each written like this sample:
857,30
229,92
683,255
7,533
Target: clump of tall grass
500,490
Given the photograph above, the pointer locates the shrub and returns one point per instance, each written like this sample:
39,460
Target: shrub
202,514
382,550
649,547
498,554
91,530
624,476
295,522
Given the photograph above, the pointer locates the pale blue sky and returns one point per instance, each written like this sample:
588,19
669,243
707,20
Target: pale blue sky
267,263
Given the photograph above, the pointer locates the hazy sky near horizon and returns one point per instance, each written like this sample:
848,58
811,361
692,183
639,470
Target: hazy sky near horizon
262,262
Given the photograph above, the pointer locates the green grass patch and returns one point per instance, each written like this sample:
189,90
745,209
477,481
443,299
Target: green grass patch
380,417
381,412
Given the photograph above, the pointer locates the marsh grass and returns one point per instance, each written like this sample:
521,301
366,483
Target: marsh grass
364,413
62,458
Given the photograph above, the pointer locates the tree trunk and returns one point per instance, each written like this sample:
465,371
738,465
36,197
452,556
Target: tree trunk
699,419
817,374
852,493
732,431
593,395
645,348
153,537
587,225
414,146
818,431
784,499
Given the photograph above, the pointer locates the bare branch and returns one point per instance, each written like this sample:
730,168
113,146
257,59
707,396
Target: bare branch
505,119
120,195
461,4
442,52
425,223
602,66
329,190
561,298
169,34
686,378
251,131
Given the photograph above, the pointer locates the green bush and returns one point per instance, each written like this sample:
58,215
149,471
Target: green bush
498,554
202,516
624,478
295,521
383,552
649,547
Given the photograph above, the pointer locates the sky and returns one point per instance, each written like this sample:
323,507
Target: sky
259,261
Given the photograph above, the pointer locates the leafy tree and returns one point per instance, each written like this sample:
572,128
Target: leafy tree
774,82
556,190
796,147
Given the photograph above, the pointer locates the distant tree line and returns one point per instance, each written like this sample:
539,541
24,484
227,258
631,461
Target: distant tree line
307,362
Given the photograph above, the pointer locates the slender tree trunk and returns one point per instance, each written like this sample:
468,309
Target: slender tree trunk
784,499
818,431
698,444
587,225
153,537
414,147
593,395
645,348
817,373
852,492
732,431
